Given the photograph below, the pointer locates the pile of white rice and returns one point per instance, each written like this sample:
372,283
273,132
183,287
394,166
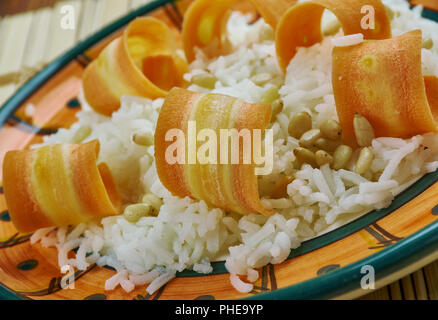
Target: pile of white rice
190,235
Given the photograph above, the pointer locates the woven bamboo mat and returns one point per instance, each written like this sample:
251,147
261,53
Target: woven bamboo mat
32,39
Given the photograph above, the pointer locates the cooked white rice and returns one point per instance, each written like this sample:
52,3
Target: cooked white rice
188,234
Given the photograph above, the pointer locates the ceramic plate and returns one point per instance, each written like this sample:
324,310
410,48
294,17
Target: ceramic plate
395,241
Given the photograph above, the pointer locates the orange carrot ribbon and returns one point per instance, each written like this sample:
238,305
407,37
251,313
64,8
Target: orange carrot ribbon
232,187
58,185
300,26
429,4
142,62
383,81
205,23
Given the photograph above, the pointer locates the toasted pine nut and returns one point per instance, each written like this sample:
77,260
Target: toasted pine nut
270,95
363,130
154,202
277,107
82,134
308,139
205,80
304,155
331,129
327,144
364,161
135,212
266,33
300,124
428,43
280,189
144,138
341,156
322,158
376,175
261,78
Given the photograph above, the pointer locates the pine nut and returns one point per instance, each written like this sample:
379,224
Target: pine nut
280,189
135,212
144,138
322,158
309,138
326,144
331,129
300,124
364,161
270,95
154,202
363,130
428,43
341,156
266,33
277,107
205,80
261,79
82,134
304,155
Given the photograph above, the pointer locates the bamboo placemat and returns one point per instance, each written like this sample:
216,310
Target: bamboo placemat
32,39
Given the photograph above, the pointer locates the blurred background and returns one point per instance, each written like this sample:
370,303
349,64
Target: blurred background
31,36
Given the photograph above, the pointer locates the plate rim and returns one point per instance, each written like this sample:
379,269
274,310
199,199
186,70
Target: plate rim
309,289
394,258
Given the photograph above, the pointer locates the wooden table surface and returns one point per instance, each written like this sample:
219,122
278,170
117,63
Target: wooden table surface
421,285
